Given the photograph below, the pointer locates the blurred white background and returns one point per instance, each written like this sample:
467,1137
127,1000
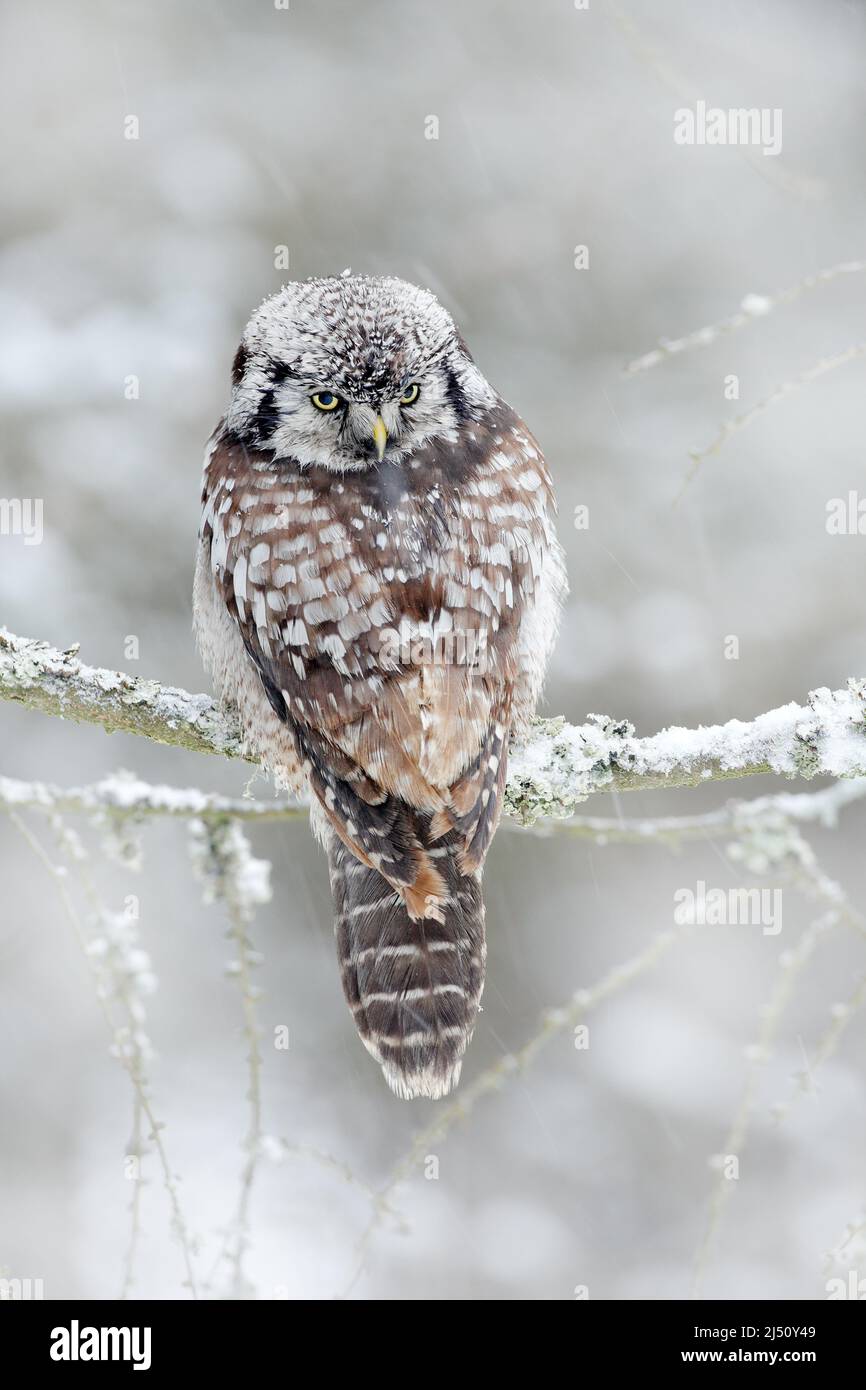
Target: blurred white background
262,128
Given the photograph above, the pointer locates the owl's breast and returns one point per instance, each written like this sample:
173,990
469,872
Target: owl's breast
346,587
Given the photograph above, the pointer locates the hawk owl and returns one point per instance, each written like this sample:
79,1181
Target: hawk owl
377,591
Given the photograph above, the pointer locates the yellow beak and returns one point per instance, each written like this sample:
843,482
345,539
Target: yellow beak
380,437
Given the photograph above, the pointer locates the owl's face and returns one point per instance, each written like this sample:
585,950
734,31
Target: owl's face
345,372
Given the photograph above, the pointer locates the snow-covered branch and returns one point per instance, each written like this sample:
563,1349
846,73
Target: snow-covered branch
556,769
57,682
125,794
562,764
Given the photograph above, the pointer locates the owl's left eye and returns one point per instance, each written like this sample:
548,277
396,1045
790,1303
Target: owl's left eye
411,394
325,400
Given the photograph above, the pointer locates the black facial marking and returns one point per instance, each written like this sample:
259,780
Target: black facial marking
458,401
279,372
267,417
239,364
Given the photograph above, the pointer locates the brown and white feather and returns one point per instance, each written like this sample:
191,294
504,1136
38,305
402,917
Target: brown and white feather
382,630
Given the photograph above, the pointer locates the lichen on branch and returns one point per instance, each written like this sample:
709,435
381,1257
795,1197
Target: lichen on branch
556,768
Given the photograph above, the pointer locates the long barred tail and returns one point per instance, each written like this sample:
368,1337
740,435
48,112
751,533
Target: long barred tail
413,986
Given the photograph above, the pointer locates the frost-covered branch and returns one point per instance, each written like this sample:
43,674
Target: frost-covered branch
57,682
122,978
551,773
224,864
561,764
752,307
124,794
735,817
556,769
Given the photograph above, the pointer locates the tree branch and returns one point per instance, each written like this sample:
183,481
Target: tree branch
122,794
557,768
40,677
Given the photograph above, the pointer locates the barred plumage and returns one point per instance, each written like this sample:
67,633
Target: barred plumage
413,986
377,591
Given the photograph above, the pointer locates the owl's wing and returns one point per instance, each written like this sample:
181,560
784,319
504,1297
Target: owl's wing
398,752
380,828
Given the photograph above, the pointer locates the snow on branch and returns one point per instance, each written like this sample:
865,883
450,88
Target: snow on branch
562,764
557,768
124,794
56,682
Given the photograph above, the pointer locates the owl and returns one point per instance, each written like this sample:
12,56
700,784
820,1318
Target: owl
377,590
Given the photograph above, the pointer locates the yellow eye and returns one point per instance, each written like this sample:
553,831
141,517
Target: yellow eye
411,394
325,400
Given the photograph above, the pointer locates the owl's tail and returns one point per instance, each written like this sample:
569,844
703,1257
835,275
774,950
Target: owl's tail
413,986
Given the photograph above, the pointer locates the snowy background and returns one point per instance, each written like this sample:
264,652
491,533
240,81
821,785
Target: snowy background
262,128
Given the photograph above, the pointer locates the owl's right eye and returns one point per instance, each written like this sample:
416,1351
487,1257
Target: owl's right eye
325,400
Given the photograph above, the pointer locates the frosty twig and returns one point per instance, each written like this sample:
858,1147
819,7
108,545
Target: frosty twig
752,307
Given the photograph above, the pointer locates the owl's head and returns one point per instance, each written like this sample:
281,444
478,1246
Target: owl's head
343,372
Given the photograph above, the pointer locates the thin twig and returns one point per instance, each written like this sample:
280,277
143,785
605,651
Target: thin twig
752,308
792,965
552,1023
841,1015
780,393
155,1126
